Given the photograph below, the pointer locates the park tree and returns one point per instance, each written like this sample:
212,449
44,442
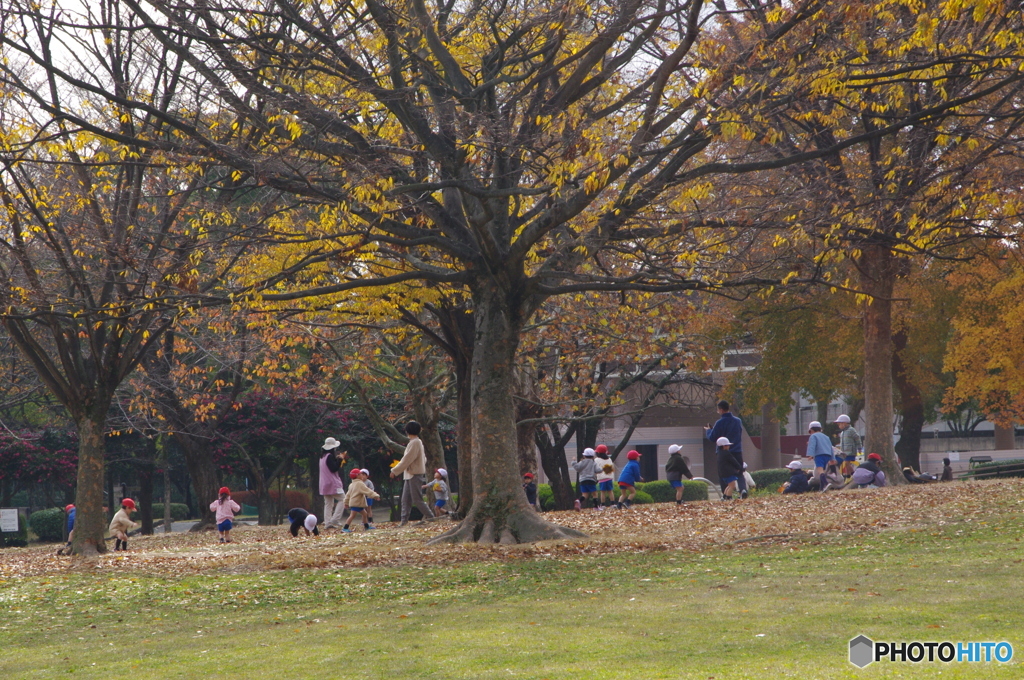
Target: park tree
944,77
985,355
513,151
105,243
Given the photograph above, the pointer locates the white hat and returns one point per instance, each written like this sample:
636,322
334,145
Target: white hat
744,466
365,472
723,441
442,472
843,419
795,465
589,453
814,424
675,448
310,522
331,443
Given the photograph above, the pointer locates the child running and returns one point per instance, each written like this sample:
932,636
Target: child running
356,498
225,509
301,519
604,472
122,524
440,488
587,471
628,478
369,501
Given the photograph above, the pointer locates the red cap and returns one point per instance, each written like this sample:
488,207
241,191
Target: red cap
601,448
874,456
128,503
354,474
225,489
69,507
528,474
633,455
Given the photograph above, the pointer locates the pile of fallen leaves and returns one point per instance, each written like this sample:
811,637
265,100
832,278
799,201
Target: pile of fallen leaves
696,526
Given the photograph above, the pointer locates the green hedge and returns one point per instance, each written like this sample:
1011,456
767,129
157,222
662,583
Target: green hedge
771,478
18,539
179,512
986,469
547,498
662,492
48,525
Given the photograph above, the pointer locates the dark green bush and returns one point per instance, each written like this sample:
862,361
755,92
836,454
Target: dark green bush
771,478
642,498
17,539
179,512
662,492
48,525
990,470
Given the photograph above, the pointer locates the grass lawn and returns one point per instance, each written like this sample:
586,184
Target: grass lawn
655,594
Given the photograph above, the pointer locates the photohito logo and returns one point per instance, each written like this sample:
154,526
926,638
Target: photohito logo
865,651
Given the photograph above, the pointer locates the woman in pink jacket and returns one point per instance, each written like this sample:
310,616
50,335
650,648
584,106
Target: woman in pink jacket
225,509
331,486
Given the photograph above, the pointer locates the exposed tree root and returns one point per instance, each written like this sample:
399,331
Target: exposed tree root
520,526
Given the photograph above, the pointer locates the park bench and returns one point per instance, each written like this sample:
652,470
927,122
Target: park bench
978,460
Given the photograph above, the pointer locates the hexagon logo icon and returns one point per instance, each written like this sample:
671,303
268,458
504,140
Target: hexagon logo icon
862,651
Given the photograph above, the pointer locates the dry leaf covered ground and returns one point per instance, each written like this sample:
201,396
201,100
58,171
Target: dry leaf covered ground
695,526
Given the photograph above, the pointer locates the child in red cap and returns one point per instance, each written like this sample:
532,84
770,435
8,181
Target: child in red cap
604,469
356,498
122,524
628,479
530,488
225,509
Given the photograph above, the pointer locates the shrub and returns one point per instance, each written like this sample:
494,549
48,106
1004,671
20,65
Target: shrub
48,525
990,470
545,497
662,492
771,478
179,512
642,498
18,539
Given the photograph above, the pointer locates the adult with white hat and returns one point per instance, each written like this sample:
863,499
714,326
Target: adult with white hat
850,443
797,479
332,487
675,470
819,448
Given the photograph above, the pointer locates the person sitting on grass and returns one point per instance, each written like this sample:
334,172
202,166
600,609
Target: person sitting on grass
833,478
628,478
440,488
868,474
797,479
356,497
587,471
301,519
225,509
122,523
675,470
729,469
947,476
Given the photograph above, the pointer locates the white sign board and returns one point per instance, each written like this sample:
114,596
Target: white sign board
953,456
9,520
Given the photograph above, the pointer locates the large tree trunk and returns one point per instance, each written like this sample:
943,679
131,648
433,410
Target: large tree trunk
464,439
90,520
771,449
878,276
1004,437
500,511
556,468
205,479
145,473
911,407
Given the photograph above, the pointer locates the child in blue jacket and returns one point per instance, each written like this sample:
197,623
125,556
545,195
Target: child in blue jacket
628,478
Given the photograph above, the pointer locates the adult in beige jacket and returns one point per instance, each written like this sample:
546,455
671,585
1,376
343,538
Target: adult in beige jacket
412,467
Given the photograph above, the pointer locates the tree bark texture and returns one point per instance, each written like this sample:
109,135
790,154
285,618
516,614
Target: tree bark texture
90,526
911,407
771,449
145,473
500,511
878,277
1004,437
